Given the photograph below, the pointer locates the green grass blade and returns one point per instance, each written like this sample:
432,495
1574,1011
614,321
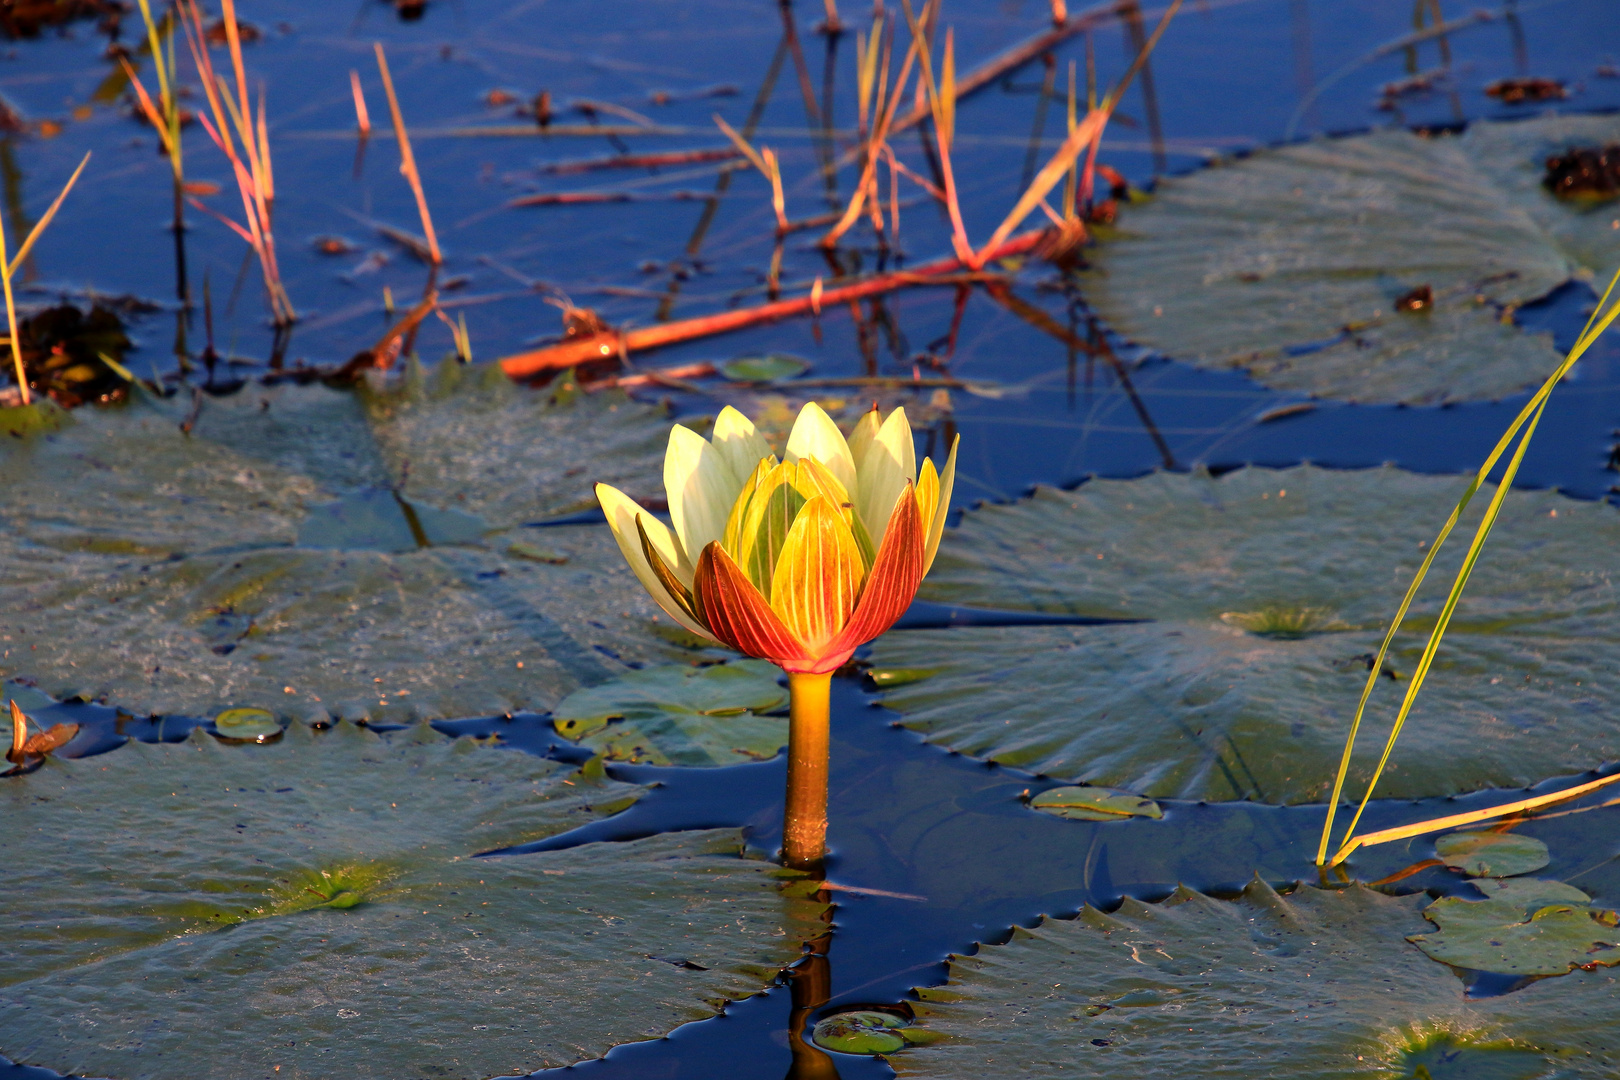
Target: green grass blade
1599,321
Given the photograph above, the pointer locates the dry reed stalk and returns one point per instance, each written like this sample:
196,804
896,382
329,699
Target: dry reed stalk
1085,136
1406,832
1060,12
39,228
15,339
871,150
253,179
362,117
766,162
407,160
13,263
578,350
942,103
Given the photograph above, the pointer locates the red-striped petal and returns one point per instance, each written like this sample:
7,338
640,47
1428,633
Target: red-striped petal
738,615
896,573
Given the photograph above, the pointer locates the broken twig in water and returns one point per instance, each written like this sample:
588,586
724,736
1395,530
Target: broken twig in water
577,350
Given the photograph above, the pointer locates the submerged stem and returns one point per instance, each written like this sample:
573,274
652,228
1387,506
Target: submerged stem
804,822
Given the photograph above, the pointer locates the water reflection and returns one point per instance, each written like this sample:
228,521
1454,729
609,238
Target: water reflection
810,984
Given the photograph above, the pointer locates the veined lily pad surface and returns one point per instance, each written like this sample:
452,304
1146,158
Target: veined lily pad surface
1264,595
306,549
1499,935
1290,263
1317,984
676,714
1491,854
196,910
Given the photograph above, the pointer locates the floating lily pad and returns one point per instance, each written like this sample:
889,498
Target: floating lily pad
307,549
1531,893
1094,804
1290,263
1488,854
247,725
681,715
1495,935
1195,703
771,367
866,1031
1313,984
198,910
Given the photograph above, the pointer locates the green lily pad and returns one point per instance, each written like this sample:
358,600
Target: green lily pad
1442,1057
681,715
1194,703
312,551
301,904
1291,263
1531,893
1313,984
772,367
1488,854
865,1031
1494,935
247,725
1094,804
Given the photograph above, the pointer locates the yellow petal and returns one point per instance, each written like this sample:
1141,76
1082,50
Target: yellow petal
700,487
814,435
860,438
741,447
621,512
732,539
764,527
927,495
947,481
818,575
890,463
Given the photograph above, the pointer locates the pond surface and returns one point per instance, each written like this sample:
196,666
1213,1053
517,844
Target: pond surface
936,850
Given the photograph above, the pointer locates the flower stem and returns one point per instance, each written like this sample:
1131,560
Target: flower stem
804,823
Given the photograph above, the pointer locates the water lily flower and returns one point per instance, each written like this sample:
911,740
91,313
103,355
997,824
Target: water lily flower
798,561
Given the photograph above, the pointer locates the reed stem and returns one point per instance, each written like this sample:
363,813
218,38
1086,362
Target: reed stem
804,821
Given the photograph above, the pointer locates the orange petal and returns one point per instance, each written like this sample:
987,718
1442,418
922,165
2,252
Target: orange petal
896,573
818,575
737,614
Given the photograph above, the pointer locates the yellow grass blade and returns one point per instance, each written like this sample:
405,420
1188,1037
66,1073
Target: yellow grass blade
39,229
1526,421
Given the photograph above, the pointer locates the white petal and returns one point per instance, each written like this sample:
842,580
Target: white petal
947,480
740,446
890,463
815,435
700,487
860,439
621,513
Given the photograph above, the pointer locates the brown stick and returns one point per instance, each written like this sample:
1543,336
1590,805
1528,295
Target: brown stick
641,161
575,351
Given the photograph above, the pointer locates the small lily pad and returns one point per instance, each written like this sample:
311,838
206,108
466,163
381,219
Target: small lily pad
771,367
1490,854
536,552
1094,804
863,1032
1314,983
247,725
681,715
884,677
1495,936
